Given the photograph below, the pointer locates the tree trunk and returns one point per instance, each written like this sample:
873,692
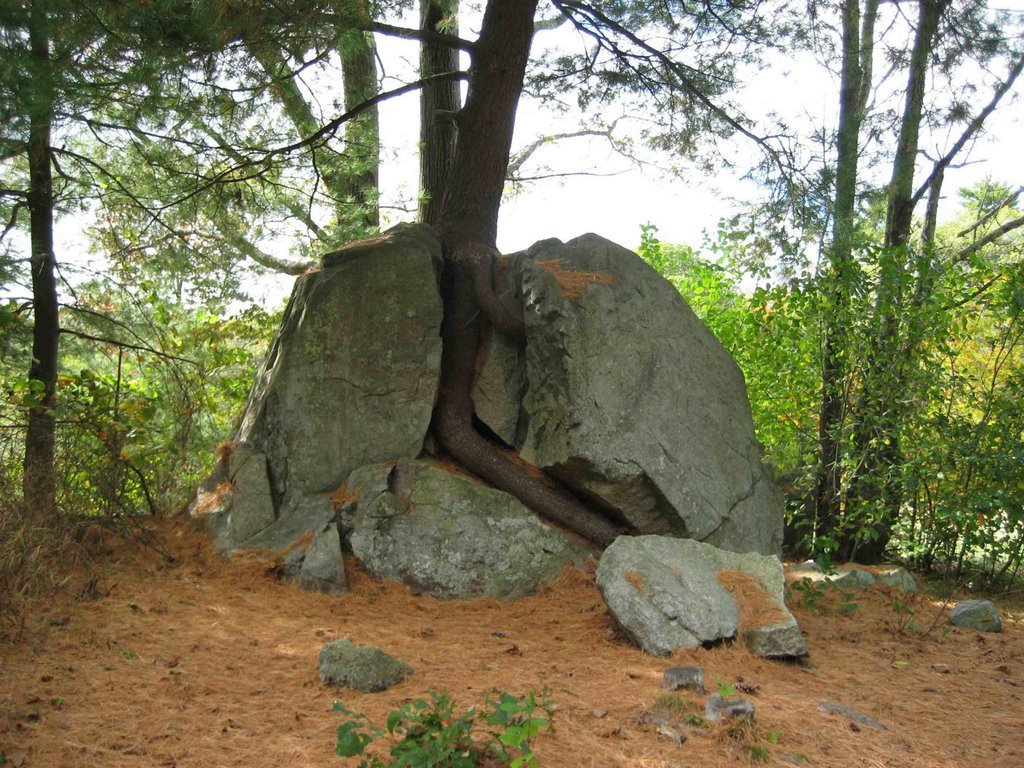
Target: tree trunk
858,47
439,104
40,483
468,228
362,135
876,487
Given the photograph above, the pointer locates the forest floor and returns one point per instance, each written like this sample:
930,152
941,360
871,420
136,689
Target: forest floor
197,661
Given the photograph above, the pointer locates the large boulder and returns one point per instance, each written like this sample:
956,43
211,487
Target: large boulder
352,375
350,379
669,593
447,535
629,399
619,391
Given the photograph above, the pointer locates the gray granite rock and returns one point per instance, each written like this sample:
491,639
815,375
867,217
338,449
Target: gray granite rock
350,379
778,641
718,706
321,568
691,678
448,536
850,713
236,502
632,401
898,578
848,576
665,592
352,375
981,615
365,668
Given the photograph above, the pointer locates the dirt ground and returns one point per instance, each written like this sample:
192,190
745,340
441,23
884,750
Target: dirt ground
200,662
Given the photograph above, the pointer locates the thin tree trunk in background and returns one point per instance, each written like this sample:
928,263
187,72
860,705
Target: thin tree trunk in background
858,47
468,227
362,135
875,490
439,104
352,179
40,482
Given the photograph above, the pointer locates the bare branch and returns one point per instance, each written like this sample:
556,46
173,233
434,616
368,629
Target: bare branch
331,127
261,257
972,128
522,156
1010,199
564,174
126,345
423,35
991,237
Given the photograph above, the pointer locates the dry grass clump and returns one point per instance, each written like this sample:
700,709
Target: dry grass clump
757,608
36,554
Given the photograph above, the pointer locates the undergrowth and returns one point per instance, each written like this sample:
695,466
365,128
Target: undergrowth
37,554
430,735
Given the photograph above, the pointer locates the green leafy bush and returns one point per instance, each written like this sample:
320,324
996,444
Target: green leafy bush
429,734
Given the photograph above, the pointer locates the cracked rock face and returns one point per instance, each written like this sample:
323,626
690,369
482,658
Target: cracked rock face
352,375
630,399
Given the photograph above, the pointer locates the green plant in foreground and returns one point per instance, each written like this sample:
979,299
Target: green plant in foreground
431,735
810,593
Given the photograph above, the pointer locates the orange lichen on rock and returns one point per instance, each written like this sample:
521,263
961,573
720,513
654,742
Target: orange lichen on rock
572,282
207,502
342,495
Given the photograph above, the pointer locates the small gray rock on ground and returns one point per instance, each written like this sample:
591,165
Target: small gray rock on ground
691,678
717,707
832,707
365,668
898,578
981,615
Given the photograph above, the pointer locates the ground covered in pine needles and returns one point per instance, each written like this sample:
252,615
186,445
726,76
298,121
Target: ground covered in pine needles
181,659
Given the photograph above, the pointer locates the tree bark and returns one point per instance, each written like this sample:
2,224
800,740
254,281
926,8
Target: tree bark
439,104
468,228
362,135
875,491
39,485
855,82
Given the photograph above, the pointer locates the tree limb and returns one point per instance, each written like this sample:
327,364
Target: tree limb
261,257
423,35
598,19
972,128
991,237
520,158
126,345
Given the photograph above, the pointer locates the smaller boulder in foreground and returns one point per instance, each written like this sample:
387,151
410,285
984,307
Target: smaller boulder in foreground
365,668
669,593
981,615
